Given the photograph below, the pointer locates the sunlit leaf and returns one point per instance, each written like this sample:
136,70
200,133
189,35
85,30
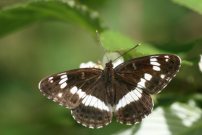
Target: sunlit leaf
177,119
114,41
195,5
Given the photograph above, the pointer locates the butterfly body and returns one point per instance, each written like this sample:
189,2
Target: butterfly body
108,76
94,95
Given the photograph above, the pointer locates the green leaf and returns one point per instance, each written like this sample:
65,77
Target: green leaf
114,41
195,5
18,16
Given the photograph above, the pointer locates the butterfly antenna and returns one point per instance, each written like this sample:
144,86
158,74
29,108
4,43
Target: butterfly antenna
100,44
126,52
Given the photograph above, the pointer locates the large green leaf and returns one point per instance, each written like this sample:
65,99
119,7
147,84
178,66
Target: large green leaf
18,16
195,5
115,41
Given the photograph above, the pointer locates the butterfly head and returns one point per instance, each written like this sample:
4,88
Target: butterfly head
109,65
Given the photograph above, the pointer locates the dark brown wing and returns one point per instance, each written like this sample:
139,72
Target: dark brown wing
136,79
62,87
150,73
132,103
81,90
94,111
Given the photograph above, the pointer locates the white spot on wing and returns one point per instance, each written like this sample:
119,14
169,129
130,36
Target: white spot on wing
88,100
166,56
62,86
162,76
95,104
81,93
60,95
141,83
147,76
139,93
63,80
104,106
93,101
153,59
123,102
131,96
126,99
50,79
155,63
156,68
63,76
73,90
84,100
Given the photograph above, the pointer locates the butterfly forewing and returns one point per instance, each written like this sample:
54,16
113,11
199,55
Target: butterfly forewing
69,88
150,73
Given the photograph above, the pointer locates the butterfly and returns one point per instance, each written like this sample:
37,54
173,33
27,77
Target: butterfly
94,95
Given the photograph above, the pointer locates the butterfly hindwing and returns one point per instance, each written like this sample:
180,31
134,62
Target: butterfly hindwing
132,104
94,111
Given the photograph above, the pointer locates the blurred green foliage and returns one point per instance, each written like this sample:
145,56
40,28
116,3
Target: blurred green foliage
43,37
192,4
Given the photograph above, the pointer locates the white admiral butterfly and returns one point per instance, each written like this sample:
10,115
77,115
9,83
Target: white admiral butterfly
94,95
